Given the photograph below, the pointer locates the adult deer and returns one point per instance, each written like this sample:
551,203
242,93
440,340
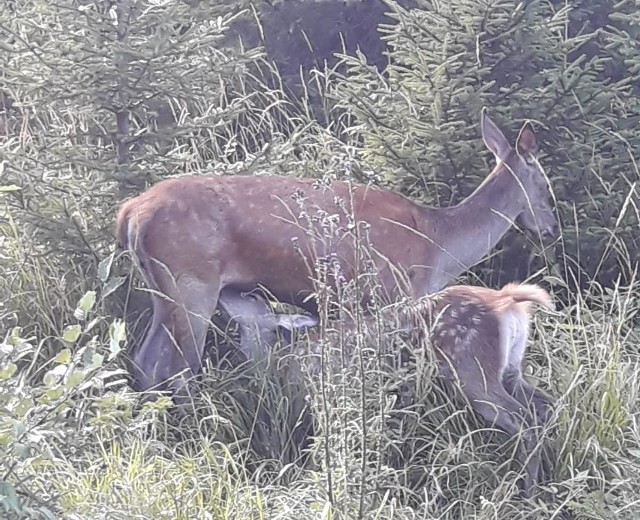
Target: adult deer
479,337
198,238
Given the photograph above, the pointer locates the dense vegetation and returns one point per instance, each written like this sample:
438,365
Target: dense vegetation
99,100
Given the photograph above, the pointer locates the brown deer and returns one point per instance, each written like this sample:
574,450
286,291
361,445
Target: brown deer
479,337
195,236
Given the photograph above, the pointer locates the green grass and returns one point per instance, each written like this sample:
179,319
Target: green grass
388,439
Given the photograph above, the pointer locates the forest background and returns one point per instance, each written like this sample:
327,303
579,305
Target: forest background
99,100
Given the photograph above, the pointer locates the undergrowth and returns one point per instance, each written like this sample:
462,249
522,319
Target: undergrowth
376,435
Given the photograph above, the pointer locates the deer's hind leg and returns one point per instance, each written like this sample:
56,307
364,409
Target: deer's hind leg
489,398
529,395
172,351
542,404
514,343
538,402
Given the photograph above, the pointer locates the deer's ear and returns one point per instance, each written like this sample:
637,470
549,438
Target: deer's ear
296,321
494,138
526,142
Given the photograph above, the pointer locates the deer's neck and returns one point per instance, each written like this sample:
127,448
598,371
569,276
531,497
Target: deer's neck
464,234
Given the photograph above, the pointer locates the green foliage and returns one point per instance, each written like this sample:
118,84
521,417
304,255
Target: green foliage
42,401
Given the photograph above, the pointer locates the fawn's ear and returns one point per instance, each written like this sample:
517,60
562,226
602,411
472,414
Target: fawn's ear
493,137
296,321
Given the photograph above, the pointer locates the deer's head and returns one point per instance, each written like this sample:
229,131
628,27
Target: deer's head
538,215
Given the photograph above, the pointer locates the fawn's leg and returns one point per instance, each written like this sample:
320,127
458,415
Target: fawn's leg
489,398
